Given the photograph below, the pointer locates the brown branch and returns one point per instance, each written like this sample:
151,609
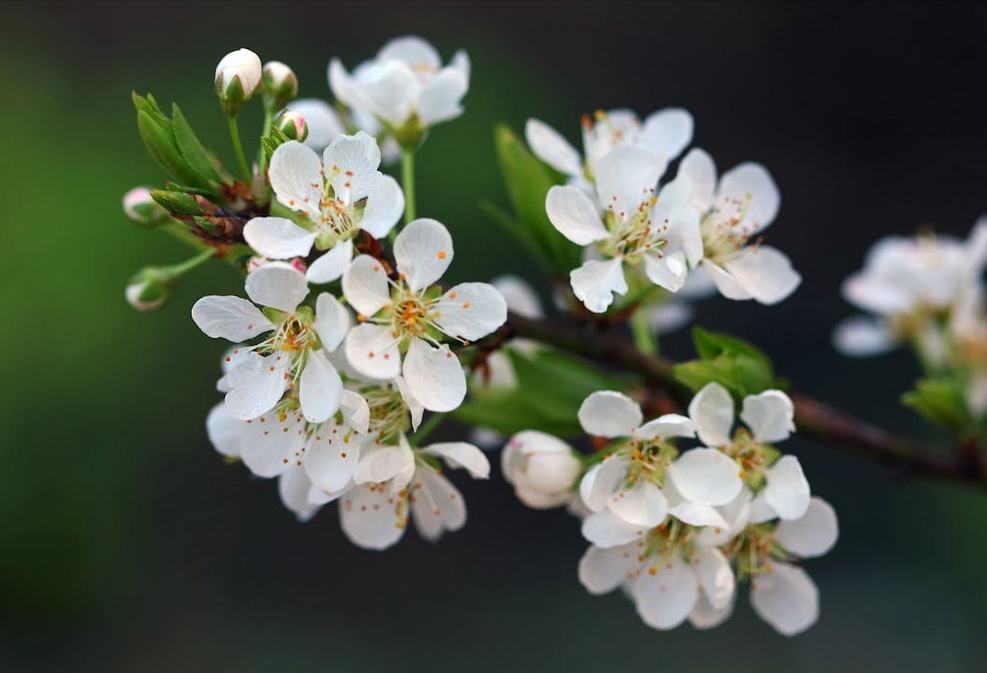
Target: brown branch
813,418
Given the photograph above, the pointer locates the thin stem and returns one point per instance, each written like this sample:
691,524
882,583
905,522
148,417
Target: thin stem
265,131
408,181
189,264
644,339
238,148
813,418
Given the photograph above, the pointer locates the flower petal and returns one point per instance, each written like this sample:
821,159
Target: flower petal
606,529
293,487
764,272
470,311
332,321
667,425
351,166
727,285
787,490
257,385
231,318
863,336
385,204
278,238
322,120
356,411
705,616
575,215
813,534
461,454
712,411
706,476
667,132
595,282
786,598
714,575
701,170
608,413
667,271
373,351
331,459
603,480
548,145
520,297
332,264
381,463
320,388
423,252
439,98
434,376
224,431
296,177
278,285
770,415
371,517
365,285
272,443
437,505
642,505
602,570
750,183
627,177
664,599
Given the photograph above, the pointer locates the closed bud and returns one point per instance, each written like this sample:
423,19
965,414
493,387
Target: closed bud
149,288
238,76
542,468
142,209
279,85
292,125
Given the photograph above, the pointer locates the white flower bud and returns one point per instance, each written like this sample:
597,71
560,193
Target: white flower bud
142,209
292,125
279,85
543,469
147,290
238,76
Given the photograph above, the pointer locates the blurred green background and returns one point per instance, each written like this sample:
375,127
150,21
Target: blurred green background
127,545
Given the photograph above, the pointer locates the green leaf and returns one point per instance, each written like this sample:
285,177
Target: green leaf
551,386
940,401
733,363
196,156
528,180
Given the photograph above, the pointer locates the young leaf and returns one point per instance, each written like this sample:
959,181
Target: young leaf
737,365
941,402
196,156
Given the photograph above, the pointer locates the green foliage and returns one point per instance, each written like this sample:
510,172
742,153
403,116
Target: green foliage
550,388
733,363
528,181
941,401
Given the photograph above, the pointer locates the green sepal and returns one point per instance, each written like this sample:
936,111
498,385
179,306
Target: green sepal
528,180
941,401
551,386
733,363
196,156
175,202
271,142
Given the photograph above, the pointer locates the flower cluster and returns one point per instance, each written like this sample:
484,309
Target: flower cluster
677,530
639,234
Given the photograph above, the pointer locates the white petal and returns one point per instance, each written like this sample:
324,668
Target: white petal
224,431
423,252
667,271
725,282
461,454
296,177
668,425
332,321
603,480
365,285
257,385
434,376
764,272
602,570
667,132
712,411
331,459
231,318
415,408
595,282
606,529
439,98
389,89
520,297
278,238
706,476
787,491
705,616
626,177
273,443
665,599
813,534
769,415
737,516
642,505
714,575
697,514
351,166
786,598
863,336
549,146
411,50
278,285
372,351
381,463
699,166
371,517
332,264
608,413
574,215
293,487
385,205
356,411
752,183
436,505
470,311
322,120
320,388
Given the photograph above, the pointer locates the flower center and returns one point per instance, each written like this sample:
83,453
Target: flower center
724,230
389,413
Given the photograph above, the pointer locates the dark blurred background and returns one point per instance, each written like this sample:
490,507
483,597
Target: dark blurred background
126,544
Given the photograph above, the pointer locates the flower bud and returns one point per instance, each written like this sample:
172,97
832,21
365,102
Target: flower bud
142,209
543,469
238,76
148,289
293,125
279,85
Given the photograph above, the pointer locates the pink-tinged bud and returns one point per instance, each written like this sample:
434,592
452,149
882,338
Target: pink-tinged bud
238,76
148,289
279,85
542,468
292,125
142,209
258,261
